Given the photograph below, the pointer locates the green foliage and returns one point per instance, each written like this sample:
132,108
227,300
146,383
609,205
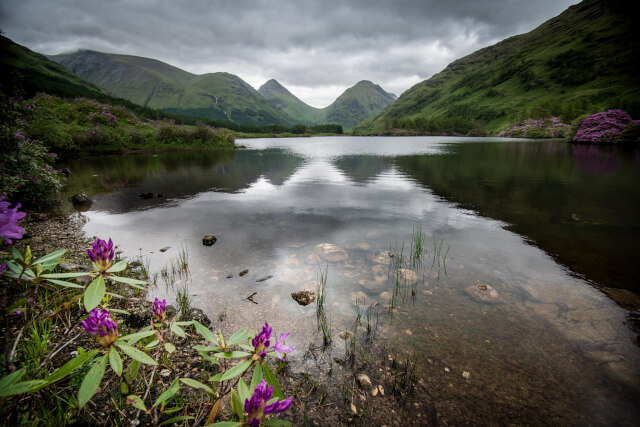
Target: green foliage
26,171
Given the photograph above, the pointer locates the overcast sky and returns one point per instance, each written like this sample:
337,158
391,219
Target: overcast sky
316,49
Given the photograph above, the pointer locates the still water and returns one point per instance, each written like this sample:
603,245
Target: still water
551,228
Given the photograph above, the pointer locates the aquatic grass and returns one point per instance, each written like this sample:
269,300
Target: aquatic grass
183,299
417,246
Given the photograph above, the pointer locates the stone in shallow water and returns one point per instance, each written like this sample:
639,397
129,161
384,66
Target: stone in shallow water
331,252
304,297
209,239
381,258
407,277
483,293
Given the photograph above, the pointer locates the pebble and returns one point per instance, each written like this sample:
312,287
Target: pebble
363,380
165,373
331,252
466,375
447,369
484,294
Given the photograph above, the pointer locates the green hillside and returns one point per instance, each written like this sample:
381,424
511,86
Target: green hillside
357,103
148,82
587,59
287,102
29,72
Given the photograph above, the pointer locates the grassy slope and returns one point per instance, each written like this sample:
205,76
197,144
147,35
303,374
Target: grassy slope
584,60
357,103
30,71
220,96
363,100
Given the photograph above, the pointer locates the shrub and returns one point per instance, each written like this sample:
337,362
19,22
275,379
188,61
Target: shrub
605,127
26,170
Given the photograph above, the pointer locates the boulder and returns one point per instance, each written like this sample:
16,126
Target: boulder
484,294
331,252
80,199
304,297
209,239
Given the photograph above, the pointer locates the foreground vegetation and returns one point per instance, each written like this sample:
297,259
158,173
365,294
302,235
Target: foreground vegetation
73,350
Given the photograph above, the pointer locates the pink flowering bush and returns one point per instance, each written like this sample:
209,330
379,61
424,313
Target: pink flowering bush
551,127
607,127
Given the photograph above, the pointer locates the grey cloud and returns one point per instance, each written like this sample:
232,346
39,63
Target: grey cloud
304,43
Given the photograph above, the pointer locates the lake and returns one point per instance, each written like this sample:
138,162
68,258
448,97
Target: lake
521,306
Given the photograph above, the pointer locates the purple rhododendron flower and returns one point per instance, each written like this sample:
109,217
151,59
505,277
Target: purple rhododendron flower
3,268
101,253
261,341
256,406
100,324
280,348
159,309
602,127
10,220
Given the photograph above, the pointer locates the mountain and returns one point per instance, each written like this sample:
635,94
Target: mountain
586,59
357,103
24,70
153,83
279,96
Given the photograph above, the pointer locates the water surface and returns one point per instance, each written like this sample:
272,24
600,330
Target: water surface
550,226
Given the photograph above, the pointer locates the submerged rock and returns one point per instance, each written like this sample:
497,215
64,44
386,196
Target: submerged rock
483,293
80,199
209,239
407,277
331,252
304,297
381,258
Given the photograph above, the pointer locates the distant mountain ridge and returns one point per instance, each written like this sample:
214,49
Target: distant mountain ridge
153,83
218,96
586,59
358,102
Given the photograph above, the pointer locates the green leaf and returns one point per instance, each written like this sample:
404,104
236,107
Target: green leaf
118,267
225,424
131,373
271,379
236,404
216,378
196,384
243,390
247,347
277,423
136,354
236,370
152,344
53,256
206,348
91,381
117,310
16,255
129,281
177,419
136,401
94,293
256,377
239,336
27,255
22,387
69,367
169,347
168,393
137,336
205,332
177,330
64,275
11,378
185,323
232,354
115,361
65,283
